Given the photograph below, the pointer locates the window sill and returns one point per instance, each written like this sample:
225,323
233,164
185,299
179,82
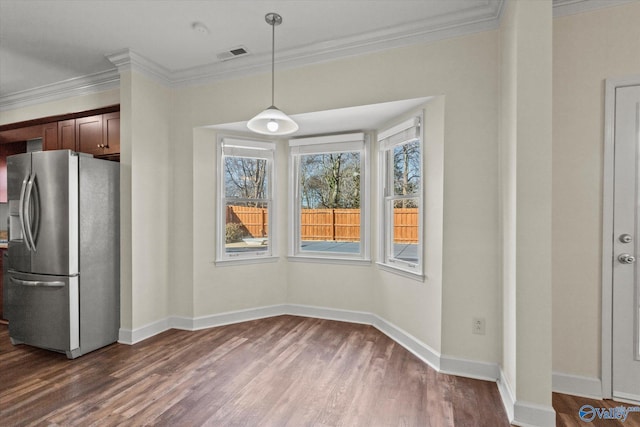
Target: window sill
401,272
244,261
329,260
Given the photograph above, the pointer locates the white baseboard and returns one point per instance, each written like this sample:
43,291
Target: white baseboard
577,385
469,368
528,414
128,336
524,414
508,398
416,347
232,317
350,316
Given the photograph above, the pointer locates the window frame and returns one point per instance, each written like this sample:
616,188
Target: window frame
340,143
386,260
234,146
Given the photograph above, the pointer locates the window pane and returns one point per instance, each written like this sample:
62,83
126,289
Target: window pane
330,202
246,177
246,227
406,168
404,235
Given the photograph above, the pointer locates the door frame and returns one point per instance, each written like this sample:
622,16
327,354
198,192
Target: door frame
607,227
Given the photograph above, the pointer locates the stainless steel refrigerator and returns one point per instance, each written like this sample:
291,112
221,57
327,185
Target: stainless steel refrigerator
63,290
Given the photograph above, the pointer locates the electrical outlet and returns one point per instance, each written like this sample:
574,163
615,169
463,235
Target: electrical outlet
478,326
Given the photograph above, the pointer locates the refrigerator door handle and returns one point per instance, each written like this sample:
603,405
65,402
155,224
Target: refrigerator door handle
21,211
27,214
36,213
37,283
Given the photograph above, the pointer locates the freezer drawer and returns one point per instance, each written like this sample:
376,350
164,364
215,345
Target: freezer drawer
43,311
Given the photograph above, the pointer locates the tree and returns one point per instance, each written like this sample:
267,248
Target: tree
406,171
245,177
330,180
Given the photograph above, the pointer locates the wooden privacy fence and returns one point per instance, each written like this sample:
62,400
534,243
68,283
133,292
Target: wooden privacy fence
254,220
330,224
342,225
405,225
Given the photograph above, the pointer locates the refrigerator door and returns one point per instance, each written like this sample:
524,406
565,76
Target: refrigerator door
18,175
54,203
47,214
44,311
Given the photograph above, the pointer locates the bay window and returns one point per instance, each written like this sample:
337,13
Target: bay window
245,199
329,197
401,195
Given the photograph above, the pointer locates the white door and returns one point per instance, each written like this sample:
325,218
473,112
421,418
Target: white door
626,246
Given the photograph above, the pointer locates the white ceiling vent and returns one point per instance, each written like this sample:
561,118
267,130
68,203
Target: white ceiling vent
236,52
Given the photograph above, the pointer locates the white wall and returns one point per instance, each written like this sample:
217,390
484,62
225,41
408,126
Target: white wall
465,71
145,178
588,48
508,211
150,199
526,208
126,254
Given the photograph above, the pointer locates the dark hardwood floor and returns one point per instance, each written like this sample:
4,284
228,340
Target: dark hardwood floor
567,408
281,371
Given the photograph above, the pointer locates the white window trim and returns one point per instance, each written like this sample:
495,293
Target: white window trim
351,142
404,268
241,147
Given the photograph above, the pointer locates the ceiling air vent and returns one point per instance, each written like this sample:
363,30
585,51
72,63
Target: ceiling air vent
236,52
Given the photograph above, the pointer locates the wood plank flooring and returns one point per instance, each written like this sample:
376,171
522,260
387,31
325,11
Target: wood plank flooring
567,408
281,371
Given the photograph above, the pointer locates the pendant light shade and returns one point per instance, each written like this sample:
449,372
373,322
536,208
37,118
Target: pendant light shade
272,121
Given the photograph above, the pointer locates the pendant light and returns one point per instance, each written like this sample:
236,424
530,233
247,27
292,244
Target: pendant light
272,121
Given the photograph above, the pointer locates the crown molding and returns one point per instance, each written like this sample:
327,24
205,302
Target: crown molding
78,86
574,7
486,16
129,60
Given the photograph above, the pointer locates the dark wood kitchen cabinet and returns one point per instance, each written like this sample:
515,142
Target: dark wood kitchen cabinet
50,136
83,134
98,135
89,135
96,132
67,135
110,134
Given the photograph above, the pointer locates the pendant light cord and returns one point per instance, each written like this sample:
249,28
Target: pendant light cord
273,60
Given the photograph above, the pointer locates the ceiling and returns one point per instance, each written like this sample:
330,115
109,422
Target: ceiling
47,44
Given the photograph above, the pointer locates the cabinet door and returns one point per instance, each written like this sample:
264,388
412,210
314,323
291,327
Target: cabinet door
50,136
111,133
89,134
67,135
